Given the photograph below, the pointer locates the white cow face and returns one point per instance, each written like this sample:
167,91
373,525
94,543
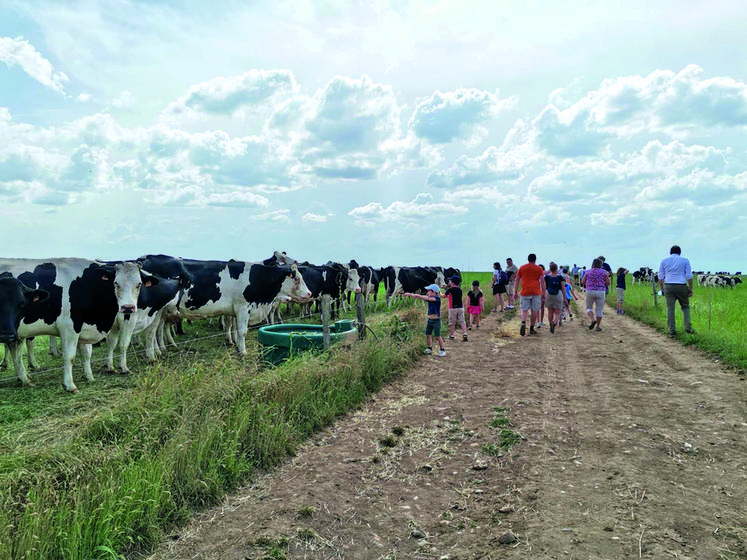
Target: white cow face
128,279
294,288
354,283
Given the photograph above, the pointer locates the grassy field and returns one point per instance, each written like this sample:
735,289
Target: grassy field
106,471
716,315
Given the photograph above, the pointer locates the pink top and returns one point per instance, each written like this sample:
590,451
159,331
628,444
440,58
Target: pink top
595,279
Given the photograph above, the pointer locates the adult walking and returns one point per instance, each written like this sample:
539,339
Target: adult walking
676,282
596,282
531,279
555,300
511,271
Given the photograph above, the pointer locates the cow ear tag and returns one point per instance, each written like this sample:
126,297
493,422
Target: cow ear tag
147,284
105,278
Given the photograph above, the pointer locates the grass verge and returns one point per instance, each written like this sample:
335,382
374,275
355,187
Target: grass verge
107,478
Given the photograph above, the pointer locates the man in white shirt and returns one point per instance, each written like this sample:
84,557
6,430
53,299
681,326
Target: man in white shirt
676,283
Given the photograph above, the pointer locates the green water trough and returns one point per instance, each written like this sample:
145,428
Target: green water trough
281,341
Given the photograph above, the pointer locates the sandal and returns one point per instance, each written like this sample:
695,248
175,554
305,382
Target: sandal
599,329
593,324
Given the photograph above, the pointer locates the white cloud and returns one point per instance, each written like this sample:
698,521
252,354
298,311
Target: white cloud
310,217
464,113
493,165
664,101
21,52
124,101
229,95
411,213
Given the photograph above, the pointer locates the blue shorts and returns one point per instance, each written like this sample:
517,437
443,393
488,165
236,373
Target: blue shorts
433,326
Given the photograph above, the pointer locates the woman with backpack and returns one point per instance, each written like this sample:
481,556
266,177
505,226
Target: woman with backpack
500,281
555,298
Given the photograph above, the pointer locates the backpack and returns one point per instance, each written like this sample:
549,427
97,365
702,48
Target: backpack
553,284
503,278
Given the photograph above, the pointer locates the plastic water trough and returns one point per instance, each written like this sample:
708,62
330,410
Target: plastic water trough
281,341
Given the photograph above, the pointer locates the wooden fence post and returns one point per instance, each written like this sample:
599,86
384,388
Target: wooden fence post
359,303
326,307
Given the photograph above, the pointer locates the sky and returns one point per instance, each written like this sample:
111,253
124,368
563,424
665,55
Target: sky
394,132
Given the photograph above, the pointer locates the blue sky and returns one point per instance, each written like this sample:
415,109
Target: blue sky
393,132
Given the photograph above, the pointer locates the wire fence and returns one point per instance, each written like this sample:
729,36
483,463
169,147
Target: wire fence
181,347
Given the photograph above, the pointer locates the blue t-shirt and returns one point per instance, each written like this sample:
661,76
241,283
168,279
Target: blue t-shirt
434,307
621,281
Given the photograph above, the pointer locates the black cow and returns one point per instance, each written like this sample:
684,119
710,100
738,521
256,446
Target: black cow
369,280
332,279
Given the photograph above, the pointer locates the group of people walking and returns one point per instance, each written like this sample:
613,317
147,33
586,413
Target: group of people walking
552,289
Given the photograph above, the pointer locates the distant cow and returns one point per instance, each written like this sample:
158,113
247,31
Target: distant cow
370,278
332,279
409,279
84,300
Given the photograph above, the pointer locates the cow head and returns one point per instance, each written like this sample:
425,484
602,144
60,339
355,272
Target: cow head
294,288
353,283
14,299
127,278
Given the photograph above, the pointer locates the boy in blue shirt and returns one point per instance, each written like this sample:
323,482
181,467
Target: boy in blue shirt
433,327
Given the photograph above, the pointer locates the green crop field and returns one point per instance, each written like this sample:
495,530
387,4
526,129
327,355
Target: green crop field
717,315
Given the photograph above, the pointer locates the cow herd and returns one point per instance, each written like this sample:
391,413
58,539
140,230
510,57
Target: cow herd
719,279
85,301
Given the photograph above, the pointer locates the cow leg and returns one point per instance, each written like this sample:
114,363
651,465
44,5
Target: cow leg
112,340
54,349
16,354
241,319
33,364
169,332
125,337
150,334
69,344
85,351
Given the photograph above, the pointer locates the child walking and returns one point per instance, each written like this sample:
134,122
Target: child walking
475,304
433,326
620,289
456,307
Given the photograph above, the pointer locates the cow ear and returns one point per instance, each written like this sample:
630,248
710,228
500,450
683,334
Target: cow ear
148,279
105,273
35,296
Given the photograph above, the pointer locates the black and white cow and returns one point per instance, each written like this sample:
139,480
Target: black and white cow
15,300
644,274
409,279
153,298
84,299
332,279
369,280
244,292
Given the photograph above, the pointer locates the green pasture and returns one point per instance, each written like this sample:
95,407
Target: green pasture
717,315
107,471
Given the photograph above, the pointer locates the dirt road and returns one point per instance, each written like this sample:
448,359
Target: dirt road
635,447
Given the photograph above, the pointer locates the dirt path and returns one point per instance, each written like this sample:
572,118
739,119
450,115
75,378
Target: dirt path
636,447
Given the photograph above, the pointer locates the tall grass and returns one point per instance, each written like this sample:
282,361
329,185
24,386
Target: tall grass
110,477
716,315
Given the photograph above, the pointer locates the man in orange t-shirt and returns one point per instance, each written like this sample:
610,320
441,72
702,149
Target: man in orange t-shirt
532,280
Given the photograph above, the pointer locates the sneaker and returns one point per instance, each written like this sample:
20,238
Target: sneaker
672,334
540,324
477,326
469,328
464,337
552,327
593,324
451,337
690,331
441,353
532,331
599,329
523,329
429,351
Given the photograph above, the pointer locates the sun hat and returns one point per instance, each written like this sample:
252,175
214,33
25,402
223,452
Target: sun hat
433,287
